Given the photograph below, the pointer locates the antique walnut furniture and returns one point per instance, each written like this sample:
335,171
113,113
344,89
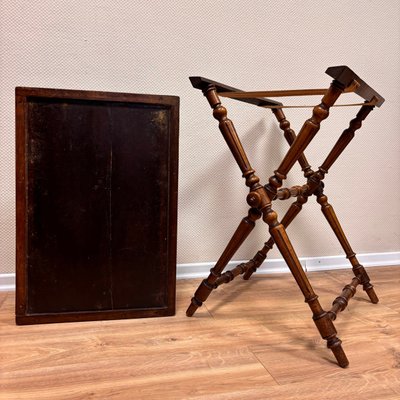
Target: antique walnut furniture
260,196
96,205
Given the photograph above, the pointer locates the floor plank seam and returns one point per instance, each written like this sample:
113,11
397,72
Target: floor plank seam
264,325
266,369
209,312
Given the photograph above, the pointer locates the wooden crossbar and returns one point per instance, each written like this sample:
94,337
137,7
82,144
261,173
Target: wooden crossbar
282,93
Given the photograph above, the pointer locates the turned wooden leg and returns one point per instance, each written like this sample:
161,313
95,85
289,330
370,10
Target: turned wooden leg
358,269
294,208
248,268
207,285
321,318
290,215
290,137
304,137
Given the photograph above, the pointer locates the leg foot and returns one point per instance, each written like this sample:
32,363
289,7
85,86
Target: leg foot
358,270
335,344
321,318
194,305
207,285
369,289
323,321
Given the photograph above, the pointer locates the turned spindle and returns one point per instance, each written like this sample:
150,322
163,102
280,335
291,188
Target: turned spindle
306,134
245,227
290,137
358,269
341,302
260,198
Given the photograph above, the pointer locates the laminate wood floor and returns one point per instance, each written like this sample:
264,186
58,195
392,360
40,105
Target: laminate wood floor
251,340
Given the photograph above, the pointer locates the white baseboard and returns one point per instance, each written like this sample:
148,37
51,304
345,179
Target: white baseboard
273,266
7,282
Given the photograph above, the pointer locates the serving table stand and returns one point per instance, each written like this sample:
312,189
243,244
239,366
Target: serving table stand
260,196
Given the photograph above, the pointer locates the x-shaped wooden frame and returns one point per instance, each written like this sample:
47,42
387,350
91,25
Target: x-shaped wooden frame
260,197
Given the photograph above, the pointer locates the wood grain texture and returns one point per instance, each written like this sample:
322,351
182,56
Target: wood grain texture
96,173
243,344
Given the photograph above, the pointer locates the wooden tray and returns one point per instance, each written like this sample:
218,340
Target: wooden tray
96,205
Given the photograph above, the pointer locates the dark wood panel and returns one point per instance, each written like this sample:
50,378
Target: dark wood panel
140,206
96,205
69,176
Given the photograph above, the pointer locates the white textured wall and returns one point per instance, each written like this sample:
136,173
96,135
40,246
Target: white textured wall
153,46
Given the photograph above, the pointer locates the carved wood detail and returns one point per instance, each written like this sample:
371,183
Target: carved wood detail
260,197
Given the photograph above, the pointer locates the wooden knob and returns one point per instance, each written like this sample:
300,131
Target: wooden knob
253,199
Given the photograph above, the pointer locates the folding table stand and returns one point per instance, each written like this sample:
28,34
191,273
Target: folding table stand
260,197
